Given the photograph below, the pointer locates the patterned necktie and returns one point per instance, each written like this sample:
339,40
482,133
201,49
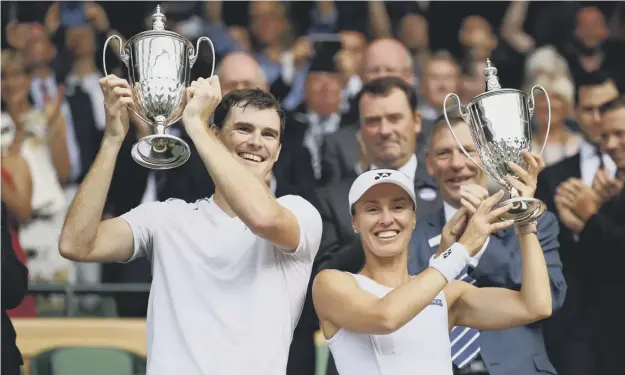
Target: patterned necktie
464,344
318,128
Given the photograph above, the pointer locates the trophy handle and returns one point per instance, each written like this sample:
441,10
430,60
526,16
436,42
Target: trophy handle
125,60
531,109
467,119
195,54
121,52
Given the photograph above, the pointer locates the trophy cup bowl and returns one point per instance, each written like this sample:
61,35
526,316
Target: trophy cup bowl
500,125
159,66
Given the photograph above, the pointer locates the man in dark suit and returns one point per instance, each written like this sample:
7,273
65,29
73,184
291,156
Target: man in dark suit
515,351
596,215
569,332
383,57
319,116
388,130
607,223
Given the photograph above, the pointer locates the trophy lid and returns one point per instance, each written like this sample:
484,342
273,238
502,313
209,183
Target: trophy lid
158,19
158,30
493,87
492,81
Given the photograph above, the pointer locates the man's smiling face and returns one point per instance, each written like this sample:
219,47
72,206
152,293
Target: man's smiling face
253,136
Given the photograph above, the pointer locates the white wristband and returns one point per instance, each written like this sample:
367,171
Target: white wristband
452,261
475,260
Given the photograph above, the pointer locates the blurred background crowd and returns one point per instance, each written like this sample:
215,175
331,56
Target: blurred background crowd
315,57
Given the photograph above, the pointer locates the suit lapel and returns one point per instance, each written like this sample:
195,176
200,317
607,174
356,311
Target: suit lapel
342,207
436,222
573,168
425,240
426,190
569,167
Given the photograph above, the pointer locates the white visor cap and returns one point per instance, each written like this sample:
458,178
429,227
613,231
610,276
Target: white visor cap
369,179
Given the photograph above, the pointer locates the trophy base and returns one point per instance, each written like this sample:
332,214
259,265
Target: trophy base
524,210
161,151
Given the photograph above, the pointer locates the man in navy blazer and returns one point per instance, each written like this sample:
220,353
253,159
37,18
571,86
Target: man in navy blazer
515,351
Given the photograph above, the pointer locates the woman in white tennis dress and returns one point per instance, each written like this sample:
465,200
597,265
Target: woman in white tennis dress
383,321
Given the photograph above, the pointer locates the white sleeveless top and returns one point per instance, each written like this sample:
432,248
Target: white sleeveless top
420,347
41,233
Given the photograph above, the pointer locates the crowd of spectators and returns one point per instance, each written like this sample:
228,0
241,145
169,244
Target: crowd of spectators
316,57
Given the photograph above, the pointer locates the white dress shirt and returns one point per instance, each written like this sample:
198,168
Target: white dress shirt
590,163
318,128
409,169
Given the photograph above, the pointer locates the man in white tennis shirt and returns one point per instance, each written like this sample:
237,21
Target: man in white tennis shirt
230,271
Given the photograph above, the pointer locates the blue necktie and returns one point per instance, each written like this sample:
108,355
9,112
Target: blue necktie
464,340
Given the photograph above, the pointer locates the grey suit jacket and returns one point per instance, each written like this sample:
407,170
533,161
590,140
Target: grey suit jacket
340,154
514,351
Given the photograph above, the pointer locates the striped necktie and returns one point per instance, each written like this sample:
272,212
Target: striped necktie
599,154
464,340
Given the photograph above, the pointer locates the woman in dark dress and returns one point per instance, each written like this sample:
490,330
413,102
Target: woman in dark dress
14,287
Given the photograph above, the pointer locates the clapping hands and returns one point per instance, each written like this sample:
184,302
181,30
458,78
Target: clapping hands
52,107
576,202
606,187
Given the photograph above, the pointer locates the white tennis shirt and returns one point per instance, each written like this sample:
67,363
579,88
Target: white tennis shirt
420,347
222,300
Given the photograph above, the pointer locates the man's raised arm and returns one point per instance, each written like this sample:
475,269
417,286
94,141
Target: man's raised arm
501,308
85,238
246,194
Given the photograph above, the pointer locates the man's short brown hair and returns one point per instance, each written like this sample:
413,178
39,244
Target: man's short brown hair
382,87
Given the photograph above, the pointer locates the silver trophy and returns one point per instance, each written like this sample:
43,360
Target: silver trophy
500,123
159,64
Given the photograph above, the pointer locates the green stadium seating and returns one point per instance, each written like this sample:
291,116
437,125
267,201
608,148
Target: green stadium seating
87,361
